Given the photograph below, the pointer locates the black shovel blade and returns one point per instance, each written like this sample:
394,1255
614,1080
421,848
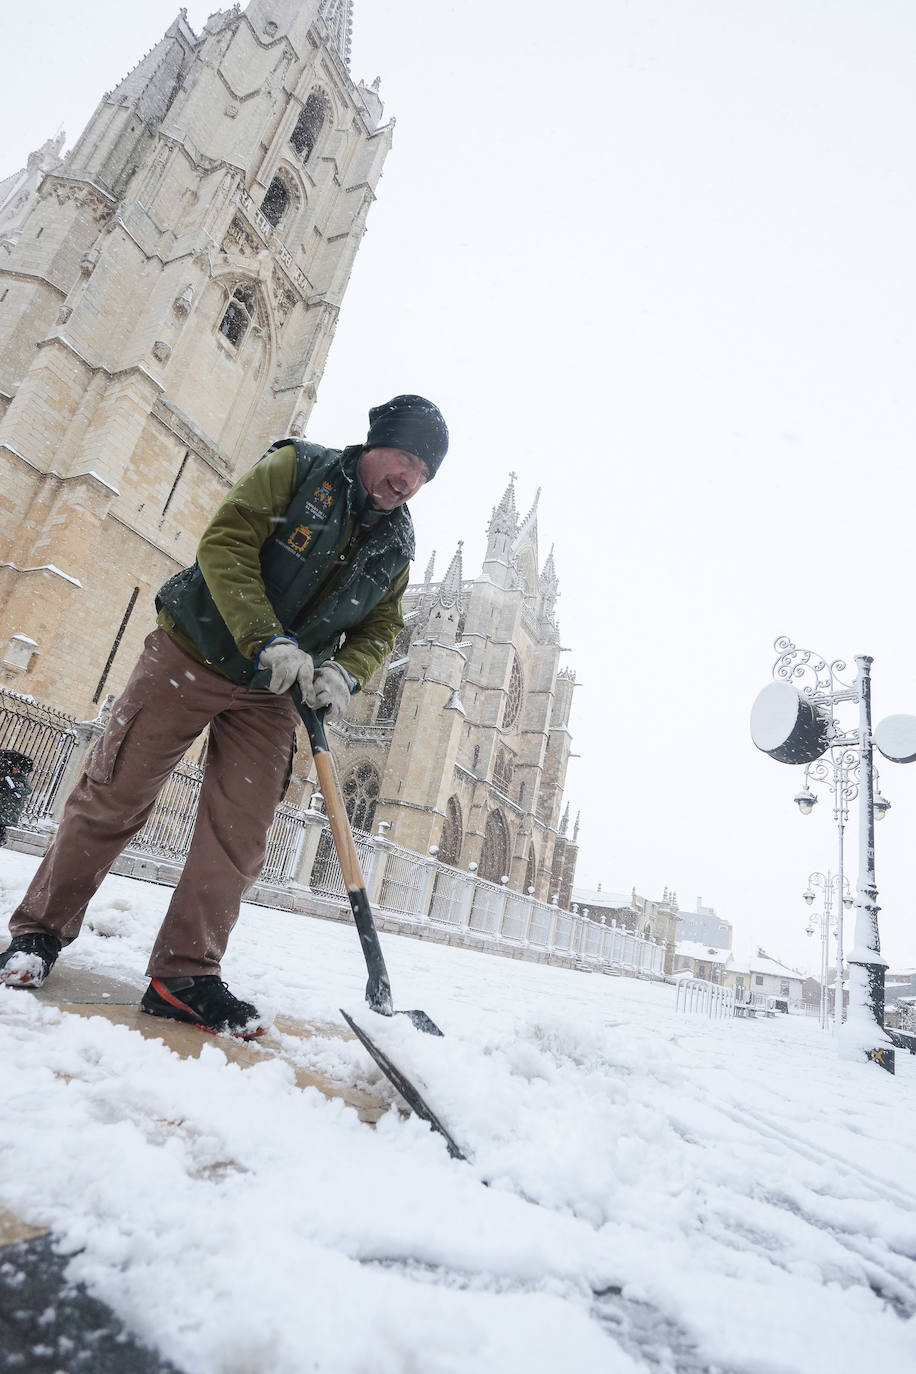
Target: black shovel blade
423,1023
410,1093
379,1000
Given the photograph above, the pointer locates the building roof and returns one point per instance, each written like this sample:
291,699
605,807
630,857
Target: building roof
706,954
764,964
613,900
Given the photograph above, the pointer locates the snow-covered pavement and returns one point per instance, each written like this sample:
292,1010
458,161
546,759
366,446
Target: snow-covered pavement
664,1192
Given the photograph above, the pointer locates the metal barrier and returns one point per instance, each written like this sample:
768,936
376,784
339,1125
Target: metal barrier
424,890
170,826
47,737
412,886
284,844
695,995
326,876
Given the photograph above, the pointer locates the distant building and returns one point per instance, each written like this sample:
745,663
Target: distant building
652,920
766,977
702,961
704,927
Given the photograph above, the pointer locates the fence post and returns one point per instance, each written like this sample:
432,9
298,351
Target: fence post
87,732
552,937
429,869
314,823
382,849
468,902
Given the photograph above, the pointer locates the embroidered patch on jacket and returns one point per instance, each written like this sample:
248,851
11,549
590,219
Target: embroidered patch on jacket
324,495
300,538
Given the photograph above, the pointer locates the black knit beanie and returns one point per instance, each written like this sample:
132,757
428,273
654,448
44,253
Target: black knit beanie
412,424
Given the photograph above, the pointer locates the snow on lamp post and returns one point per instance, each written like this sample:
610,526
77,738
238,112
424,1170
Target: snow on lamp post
794,721
841,775
827,882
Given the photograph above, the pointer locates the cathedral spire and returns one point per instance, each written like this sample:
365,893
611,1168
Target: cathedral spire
502,529
450,590
338,15
532,514
446,607
549,590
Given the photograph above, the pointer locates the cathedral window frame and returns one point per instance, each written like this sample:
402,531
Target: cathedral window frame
306,130
391,693
496,851
515,691
531,871
360,789
239,315
279,182
503,769
452,837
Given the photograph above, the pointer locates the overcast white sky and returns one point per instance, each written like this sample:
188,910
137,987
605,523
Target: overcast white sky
656,259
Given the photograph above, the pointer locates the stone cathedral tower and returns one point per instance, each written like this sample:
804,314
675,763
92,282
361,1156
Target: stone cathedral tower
462,742
168,294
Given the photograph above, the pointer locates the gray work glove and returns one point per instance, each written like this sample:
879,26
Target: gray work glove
331,689
286,663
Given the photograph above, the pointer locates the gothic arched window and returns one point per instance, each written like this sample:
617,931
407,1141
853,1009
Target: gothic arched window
503,769
308,126
452,833
360,791
513,695
238,316
402,644
494,857
531,871
391,695
276,201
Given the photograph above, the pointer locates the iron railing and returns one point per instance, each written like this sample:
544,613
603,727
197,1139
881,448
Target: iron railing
45,736
413,888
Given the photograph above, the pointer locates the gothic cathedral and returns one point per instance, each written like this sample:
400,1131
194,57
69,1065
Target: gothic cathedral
169,292
168,295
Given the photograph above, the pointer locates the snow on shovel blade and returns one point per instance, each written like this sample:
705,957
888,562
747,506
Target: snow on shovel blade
410,1093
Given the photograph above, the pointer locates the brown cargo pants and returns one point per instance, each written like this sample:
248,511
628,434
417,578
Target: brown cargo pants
169,699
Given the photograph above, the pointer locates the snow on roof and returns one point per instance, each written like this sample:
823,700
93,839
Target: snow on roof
764,964
708,954
586,897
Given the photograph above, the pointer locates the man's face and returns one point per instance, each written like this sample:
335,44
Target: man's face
391,476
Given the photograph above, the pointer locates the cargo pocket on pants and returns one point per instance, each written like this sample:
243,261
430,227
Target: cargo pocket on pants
103,756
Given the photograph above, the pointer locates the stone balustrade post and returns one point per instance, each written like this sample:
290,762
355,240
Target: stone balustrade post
314,823
87,732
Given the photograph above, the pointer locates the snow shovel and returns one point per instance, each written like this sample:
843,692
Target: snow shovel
378,988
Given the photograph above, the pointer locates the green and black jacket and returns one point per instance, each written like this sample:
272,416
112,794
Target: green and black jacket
286,554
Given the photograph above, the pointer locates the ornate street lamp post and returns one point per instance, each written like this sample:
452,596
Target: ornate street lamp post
794,720
844,898
842,776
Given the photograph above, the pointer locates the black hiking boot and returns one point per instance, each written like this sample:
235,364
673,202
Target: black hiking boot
205,1002
28,960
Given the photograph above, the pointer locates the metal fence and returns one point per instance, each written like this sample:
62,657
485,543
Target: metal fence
171,824
413,888
326,876
424,892
47,737
698,996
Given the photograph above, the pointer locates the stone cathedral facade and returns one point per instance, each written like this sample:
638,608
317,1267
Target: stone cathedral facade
461,743
169,292
168,295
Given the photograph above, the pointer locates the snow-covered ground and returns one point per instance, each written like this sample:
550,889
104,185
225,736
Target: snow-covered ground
664,1192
